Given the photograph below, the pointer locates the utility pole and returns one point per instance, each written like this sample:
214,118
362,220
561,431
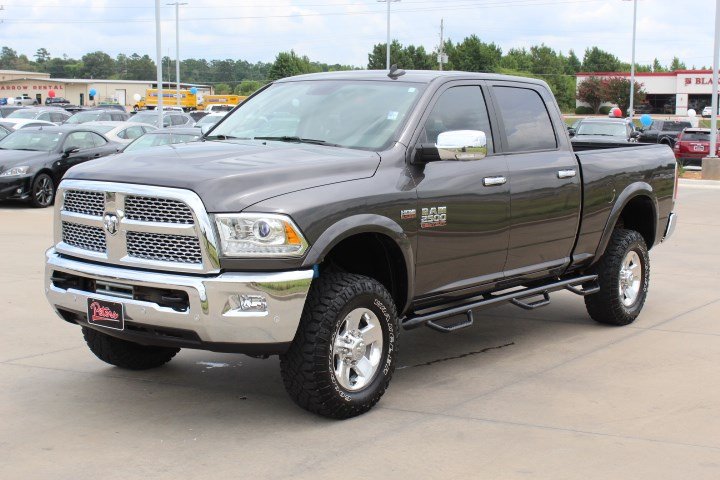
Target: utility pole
711,163
177,47
387,48
441,50
631,112
158,63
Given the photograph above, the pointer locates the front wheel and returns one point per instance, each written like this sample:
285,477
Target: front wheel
42,191
624,277
343,355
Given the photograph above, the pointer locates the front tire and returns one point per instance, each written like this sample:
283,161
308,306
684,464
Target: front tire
624,277
42,191
124,354
343,355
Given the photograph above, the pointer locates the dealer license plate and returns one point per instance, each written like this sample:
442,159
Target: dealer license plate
698,148
105,314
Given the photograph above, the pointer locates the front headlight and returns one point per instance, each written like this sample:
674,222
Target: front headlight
259,235
14,171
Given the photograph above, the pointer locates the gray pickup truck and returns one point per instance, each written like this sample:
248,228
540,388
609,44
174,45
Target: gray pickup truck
327,212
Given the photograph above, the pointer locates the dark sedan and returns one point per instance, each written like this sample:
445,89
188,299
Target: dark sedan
33,160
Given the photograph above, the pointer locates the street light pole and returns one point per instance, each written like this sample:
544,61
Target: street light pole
631,111
387,47
158,63
177,47
714,103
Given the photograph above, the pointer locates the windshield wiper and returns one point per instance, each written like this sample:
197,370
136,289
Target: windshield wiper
289,138
225,137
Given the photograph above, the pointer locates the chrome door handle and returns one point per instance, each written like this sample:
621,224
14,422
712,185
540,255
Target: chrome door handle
566,173
492,181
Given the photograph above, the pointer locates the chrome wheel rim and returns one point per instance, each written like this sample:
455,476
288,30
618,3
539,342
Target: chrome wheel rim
630,278
44,191
357,349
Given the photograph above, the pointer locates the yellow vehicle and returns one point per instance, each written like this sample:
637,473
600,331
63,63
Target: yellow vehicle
188,100
222,100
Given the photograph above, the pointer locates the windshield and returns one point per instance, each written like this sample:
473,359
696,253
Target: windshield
354,114
83,117
24,113
208,120
604,129
35,140
149,118
101,128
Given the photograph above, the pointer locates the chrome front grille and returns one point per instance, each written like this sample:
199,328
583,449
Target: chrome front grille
84,237
155,209
85,202
163,247
135,225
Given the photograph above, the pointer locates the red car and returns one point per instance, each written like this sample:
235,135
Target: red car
692,145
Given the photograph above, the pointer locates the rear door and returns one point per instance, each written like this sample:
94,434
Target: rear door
544,180
463,206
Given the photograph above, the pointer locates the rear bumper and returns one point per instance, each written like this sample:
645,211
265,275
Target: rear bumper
670,228
255,313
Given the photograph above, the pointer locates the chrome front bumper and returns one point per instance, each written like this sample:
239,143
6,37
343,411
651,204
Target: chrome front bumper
253,309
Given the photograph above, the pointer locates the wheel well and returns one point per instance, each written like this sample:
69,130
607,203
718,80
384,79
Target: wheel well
374,255
639,215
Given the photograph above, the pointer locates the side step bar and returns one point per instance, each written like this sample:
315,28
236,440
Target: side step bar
574,285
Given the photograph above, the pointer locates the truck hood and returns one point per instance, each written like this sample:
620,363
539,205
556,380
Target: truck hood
229,176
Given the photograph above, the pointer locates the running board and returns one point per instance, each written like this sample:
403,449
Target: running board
586,285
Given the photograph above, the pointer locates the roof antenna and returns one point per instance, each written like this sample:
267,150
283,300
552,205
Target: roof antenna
395,72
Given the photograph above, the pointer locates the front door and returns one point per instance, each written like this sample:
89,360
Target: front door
463,218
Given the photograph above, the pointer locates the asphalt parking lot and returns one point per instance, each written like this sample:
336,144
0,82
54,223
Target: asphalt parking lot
541,394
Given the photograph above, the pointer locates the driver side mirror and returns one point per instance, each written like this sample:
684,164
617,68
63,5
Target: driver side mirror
69,151
571,132
463,145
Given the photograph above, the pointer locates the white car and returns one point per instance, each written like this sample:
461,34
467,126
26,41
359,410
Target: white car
120,132
49,114
18,123
210,120
23,100
707,111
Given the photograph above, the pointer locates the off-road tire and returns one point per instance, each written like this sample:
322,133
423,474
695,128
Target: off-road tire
606,306
42,191
306,368
124,354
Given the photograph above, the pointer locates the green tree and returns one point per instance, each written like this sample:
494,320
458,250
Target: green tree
8,58
517,59
222,89
596,60
617,90
98,65
140,68
573,64
247,87
676,64
657,67
42,55
474,55
591,92
287,64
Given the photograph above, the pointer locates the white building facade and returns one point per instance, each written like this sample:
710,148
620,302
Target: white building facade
672,93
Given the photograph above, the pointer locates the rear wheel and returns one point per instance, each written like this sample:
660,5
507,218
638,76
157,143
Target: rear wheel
343,355
624,276
42,192
124,354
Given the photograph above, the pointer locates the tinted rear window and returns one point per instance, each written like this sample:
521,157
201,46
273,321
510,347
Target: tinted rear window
675,126
527,122
696,136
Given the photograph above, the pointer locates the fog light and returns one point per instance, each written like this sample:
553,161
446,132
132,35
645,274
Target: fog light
18,191
243,304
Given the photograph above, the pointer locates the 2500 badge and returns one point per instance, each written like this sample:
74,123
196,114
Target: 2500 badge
433,217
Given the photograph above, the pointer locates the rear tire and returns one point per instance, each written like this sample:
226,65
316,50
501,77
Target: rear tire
343,355
124,354
624,276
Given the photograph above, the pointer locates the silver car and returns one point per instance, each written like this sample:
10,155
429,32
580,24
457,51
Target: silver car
120,132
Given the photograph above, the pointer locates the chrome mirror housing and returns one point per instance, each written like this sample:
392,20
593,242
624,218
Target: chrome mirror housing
462,145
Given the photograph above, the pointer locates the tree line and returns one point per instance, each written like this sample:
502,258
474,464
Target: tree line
243,77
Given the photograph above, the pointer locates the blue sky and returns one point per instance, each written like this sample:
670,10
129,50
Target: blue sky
343,31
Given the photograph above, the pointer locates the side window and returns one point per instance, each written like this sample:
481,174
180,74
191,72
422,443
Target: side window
97,139
527,122
178,120
117,117
79,140
458,108
57,117
44,116
133,132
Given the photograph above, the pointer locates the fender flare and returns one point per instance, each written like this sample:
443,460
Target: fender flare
365,223
637,189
